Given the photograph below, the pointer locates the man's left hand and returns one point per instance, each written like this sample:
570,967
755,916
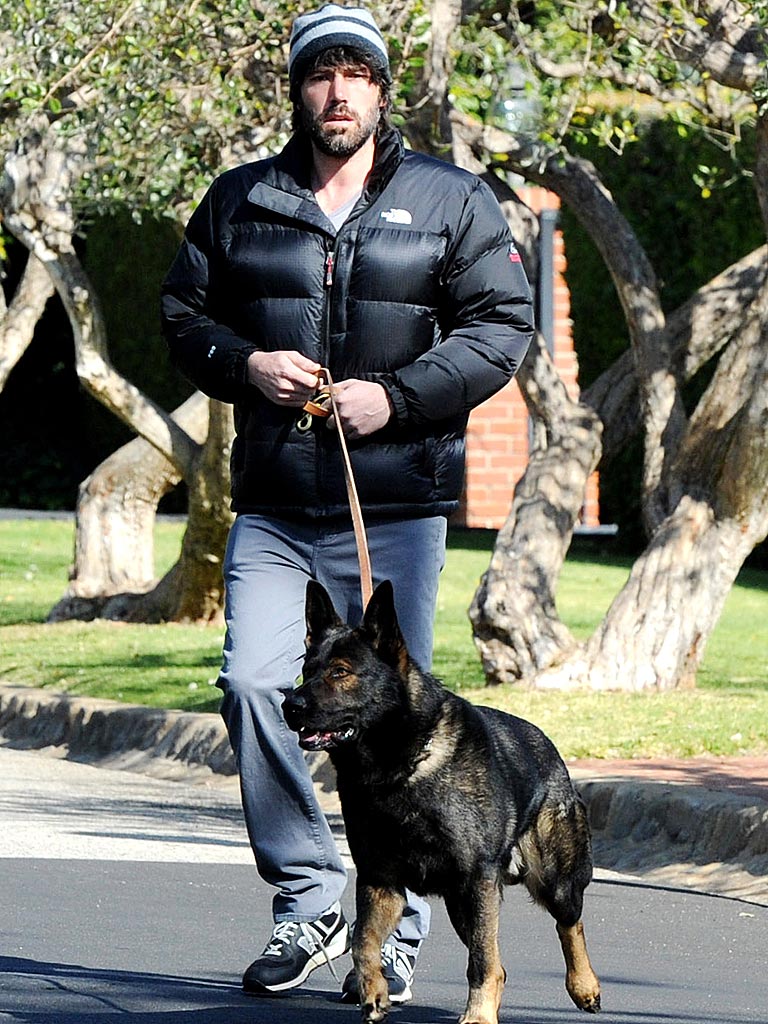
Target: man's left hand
363,406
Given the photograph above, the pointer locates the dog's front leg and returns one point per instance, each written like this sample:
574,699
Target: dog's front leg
580,980
378,913
474,914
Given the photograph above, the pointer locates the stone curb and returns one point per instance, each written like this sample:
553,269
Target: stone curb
670,833
111,734
679,835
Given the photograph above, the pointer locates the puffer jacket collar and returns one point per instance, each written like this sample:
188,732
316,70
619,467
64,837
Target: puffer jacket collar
285,187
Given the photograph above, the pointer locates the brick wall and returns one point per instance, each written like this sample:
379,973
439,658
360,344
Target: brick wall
498,433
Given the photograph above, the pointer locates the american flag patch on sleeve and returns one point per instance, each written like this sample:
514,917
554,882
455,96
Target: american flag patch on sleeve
514,255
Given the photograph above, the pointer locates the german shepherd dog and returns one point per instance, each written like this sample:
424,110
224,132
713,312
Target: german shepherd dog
440,797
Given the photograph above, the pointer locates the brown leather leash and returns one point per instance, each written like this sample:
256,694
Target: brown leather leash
322,405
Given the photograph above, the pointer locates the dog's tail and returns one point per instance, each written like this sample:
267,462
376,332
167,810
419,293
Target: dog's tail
556,854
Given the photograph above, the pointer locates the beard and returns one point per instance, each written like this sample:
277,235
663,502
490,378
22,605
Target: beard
336,140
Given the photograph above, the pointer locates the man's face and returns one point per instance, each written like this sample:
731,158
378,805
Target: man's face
340,108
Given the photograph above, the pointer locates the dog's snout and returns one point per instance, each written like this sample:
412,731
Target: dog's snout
294,706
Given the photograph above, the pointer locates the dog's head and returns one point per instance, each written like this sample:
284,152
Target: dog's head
352,677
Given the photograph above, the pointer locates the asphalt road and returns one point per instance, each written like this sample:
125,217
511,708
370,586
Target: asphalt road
124,895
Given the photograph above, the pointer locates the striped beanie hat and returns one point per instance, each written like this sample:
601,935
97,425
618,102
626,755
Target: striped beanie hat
331,26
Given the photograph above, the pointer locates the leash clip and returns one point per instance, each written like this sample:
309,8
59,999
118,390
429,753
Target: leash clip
304,423
319,405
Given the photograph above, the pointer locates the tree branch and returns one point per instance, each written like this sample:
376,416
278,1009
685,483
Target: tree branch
699,46
636,80
709,321
18,323
77,68
428,128
578,184
34,197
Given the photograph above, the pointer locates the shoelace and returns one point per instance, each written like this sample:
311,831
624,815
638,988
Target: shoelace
400,961
281,936
283,933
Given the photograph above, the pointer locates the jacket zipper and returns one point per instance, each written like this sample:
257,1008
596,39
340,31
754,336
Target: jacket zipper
328,279
330,259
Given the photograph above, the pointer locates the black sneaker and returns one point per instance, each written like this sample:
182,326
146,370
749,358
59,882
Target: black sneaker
398,968
295,950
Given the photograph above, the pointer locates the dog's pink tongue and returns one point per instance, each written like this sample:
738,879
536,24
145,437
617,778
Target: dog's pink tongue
316,740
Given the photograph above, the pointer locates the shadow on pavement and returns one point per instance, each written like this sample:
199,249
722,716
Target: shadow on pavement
73,994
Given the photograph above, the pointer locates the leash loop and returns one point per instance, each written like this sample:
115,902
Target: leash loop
322,405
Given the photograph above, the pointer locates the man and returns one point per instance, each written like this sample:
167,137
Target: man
397,272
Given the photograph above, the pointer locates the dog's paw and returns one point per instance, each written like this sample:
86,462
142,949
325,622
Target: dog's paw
373,1012
374,999
592,1005
584,990
589,1003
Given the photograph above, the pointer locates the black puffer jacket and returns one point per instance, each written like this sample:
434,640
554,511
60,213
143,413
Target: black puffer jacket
421,290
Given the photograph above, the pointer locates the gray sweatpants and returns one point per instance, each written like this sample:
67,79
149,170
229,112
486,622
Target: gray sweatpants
267,565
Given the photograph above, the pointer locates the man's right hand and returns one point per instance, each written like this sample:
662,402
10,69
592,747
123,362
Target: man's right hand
285,377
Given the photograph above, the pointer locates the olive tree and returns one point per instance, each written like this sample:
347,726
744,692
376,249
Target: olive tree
599,68
126,104
135,104
144,101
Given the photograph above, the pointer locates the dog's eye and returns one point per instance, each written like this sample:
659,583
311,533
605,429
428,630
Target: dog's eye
338,672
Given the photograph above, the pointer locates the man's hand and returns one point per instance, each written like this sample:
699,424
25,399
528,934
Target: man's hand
285,378
364,407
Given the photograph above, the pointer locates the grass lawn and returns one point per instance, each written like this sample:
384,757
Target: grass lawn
176,666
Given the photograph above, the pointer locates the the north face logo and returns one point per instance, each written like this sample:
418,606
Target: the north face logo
395,216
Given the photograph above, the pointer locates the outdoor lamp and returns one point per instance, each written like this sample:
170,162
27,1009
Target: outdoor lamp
519,111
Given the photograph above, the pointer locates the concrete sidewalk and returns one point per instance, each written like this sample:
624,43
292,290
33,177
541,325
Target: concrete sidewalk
700,824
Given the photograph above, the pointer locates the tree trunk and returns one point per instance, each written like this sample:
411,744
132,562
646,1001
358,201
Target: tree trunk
193,589
515,623
34,197
115,521
516,626
697,331
705,478
427,126
654,634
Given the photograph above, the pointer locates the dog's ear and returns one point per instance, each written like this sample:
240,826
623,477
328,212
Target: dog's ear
383,630
319,611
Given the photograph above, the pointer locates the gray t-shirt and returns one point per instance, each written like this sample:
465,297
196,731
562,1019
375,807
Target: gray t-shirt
338,216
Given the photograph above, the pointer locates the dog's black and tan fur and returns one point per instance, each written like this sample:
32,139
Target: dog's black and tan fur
440,797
